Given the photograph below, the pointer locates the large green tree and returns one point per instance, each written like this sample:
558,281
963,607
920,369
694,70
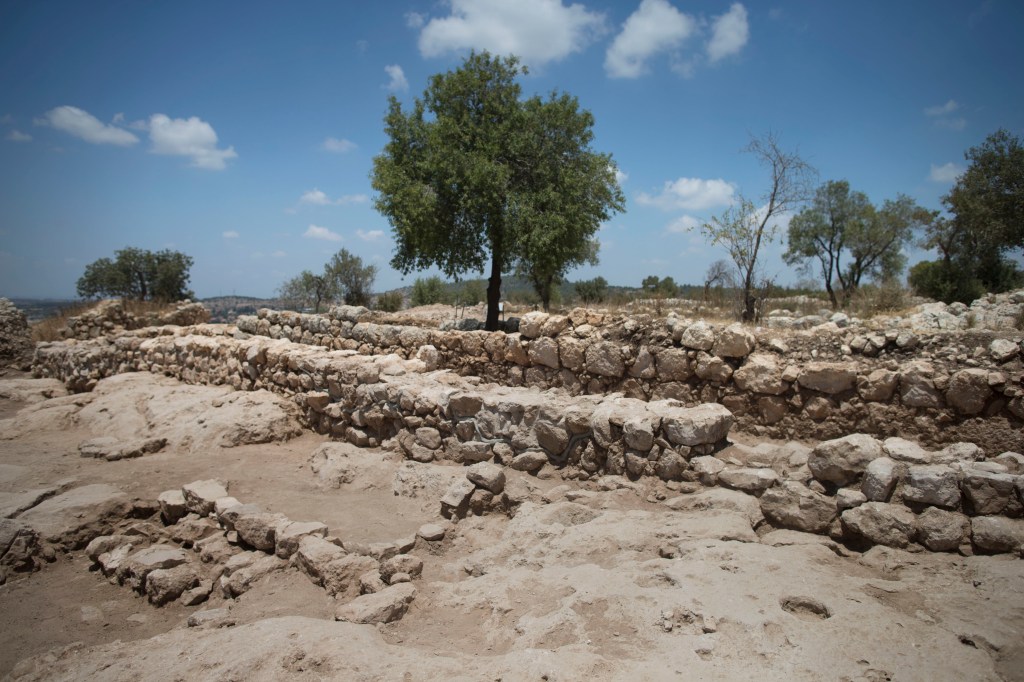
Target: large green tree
138,274
475,179
844,237
986,225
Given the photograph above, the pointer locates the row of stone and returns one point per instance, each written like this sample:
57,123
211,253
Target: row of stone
234,545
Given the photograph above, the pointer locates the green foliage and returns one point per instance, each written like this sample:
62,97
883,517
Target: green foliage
473,178
987,223
138,274
350,278
472,292
308,290
428,291
850,240
660,288
344,277
592,290
389,302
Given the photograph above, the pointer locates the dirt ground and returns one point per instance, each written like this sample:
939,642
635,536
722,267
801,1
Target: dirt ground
586,581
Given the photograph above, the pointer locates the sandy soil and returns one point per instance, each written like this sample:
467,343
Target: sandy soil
583,582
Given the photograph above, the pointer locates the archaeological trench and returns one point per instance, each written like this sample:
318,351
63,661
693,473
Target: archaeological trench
857,445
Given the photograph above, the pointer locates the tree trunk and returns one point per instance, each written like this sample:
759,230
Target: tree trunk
493,293
832,295
749,301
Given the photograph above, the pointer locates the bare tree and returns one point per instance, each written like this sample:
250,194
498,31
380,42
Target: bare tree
744,227
717,275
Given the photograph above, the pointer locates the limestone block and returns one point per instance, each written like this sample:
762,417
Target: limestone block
997,534
989,493
704,424
749,480
388,605
760,373
544,351
880,479
795,506
942,531
698,336
934,485
201,495
605,359
734,342
487,475
842,461
881,524
877,386
827,377
969,391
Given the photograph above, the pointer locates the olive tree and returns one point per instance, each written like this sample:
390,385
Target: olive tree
474,179
138,274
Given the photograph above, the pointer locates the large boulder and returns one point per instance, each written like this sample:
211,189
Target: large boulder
969,391
827,377
795,506
698,336
77,516
942,531
760,374
708,423
995,534
605,359
748,479
735,341
934,485
200,496
986,492
880,479
880,524
385,606
842,461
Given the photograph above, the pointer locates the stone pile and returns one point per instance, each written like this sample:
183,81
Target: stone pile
210,541
16,343
111,317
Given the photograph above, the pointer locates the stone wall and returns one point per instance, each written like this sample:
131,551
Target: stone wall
15,337
434,414
111,317
823,383
856,489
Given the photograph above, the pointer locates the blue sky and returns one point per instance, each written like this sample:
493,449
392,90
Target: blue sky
243,133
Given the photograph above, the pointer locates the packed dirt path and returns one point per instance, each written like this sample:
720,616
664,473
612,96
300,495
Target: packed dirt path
607,579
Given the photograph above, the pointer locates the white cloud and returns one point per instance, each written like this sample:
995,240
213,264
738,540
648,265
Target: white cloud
230,234
685,223
85,126
942,118
621,176
279,254
942,109
655,27
946,173
398,83
18,136
315,197
349,199
370,236
192,137
340,146
690,194
414,20
729,33
317,232
538,31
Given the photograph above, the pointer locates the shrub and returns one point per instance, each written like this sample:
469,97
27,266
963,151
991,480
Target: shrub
428,291
390,302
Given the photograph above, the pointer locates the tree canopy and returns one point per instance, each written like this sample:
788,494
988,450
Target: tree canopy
138,274
344,277
848,239
475,179
986,224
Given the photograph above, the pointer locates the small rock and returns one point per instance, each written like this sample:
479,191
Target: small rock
487,475
386,606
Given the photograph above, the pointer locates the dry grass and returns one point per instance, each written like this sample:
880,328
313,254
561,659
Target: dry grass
50,328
